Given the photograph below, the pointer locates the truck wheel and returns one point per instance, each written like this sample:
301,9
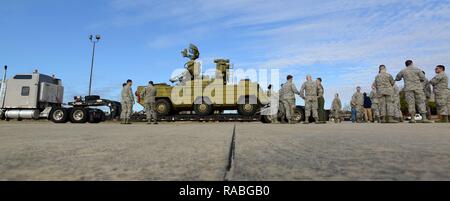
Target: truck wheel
203,109
247,109
78,115
298,116
163,107
59,115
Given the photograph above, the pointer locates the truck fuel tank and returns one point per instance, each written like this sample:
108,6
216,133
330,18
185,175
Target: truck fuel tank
22,114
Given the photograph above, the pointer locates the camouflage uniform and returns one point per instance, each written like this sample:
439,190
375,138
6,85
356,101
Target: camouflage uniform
336,108
440,86
149,101
127,102
427,90
309,93
414,93
288,99
281,109
384,83
357,103
321,102
397,107
375,103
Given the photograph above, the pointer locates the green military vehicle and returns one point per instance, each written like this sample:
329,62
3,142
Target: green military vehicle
204,96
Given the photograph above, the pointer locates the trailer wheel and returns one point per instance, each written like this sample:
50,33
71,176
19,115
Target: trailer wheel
78,115
59,115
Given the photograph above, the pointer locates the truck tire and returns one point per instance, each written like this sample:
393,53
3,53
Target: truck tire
247,109
163,107
59,115
203,109
78,115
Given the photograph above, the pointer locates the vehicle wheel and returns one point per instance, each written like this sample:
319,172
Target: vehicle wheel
163,107
78,115
203,109
59,115
247,109
298,116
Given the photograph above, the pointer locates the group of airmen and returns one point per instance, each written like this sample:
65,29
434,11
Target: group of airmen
385,97
311,91
149,95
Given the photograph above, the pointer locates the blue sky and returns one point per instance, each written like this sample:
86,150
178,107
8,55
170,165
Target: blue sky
341,41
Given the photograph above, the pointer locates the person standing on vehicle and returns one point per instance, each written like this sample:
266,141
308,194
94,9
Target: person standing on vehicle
336,108
149,101
127,102
309,93
288,99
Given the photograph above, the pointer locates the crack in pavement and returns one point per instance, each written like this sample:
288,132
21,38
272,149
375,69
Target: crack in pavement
231,156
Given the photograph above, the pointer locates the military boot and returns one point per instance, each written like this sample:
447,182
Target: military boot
306,120
377,119
383,119
424,119
149,121
316,121
444,119
391,120
122,121
127,121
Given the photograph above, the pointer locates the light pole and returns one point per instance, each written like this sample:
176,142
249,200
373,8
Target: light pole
94,41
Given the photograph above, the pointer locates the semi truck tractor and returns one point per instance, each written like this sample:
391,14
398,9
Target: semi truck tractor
39,96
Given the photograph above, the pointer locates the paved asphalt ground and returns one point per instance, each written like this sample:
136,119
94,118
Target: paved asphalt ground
200,151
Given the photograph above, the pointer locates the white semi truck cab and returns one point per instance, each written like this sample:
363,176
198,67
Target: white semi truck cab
36,96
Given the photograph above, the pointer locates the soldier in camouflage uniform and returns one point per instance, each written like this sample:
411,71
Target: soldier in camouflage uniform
288,99
384,83
414,93
127,102
440,87
357,103
336,108
281,109
309,93
397,106
321,101
427,90
375,103
149,101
